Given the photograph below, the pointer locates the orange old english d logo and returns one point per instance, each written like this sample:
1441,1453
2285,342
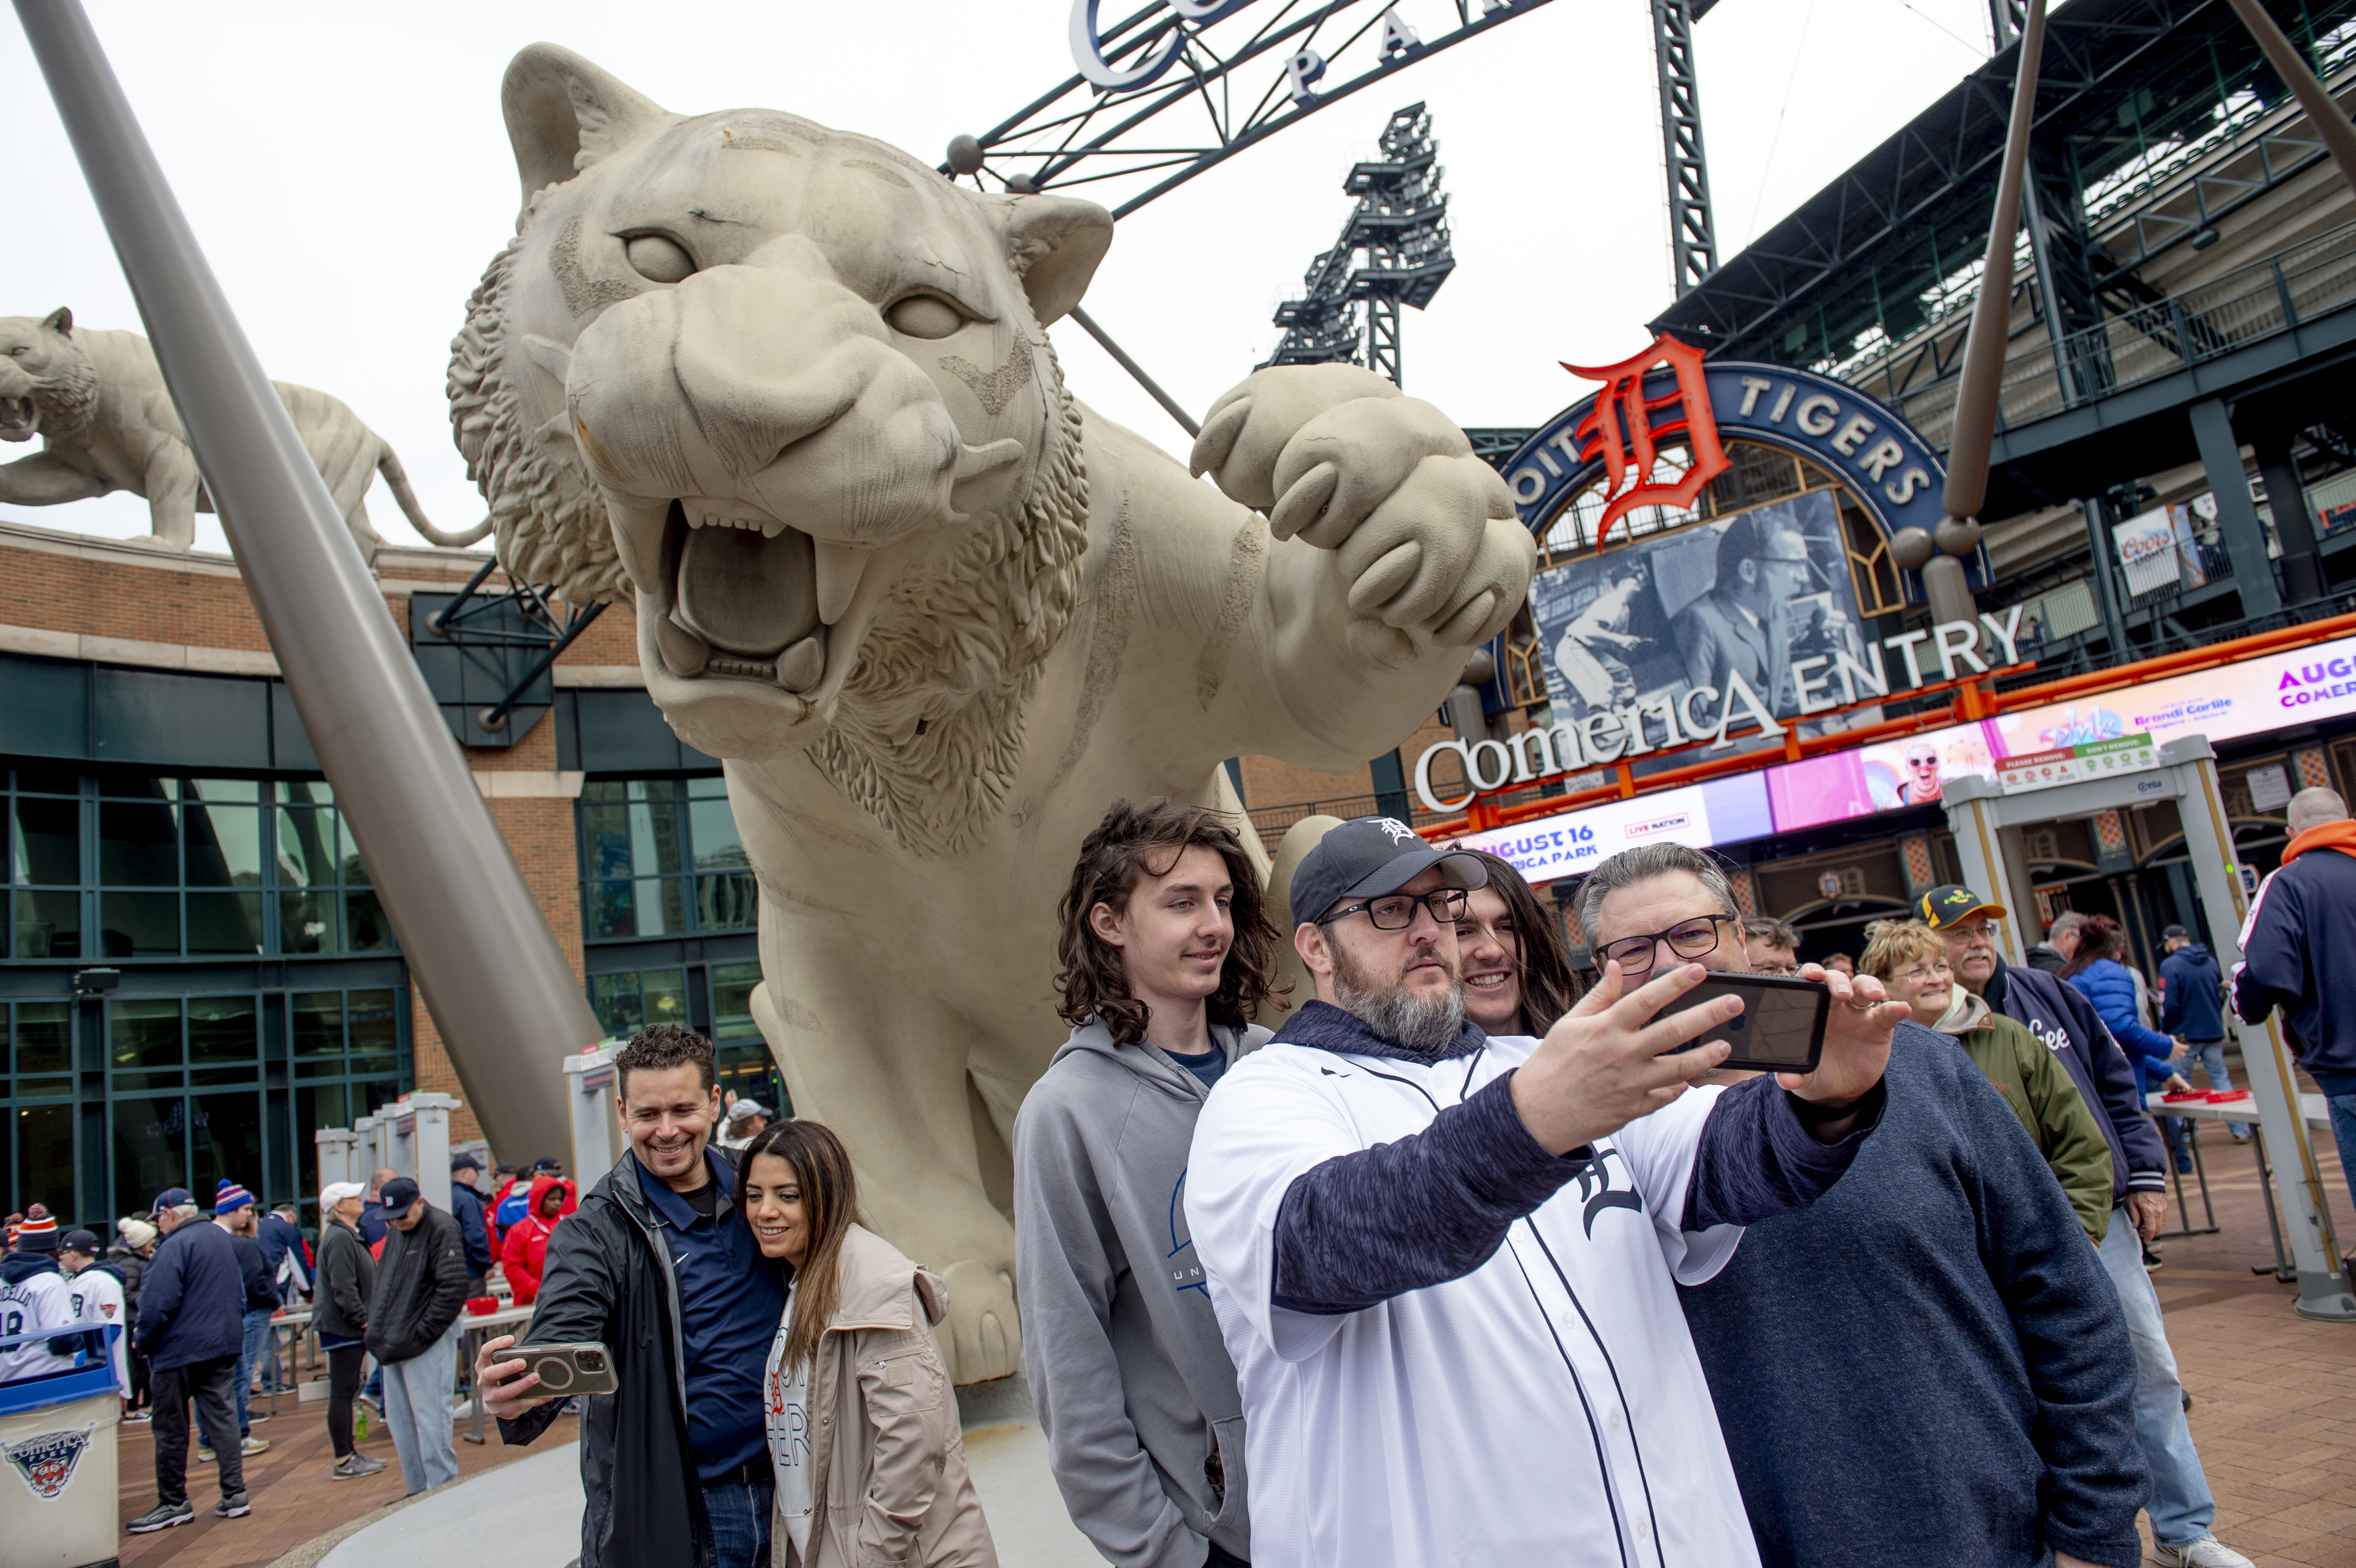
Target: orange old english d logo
1622,432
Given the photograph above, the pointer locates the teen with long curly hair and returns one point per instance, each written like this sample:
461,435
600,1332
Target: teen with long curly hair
1167,955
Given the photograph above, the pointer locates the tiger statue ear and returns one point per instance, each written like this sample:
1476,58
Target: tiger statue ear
60,321
1054,243
564,114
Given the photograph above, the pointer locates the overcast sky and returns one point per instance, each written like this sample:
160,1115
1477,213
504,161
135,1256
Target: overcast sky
348,177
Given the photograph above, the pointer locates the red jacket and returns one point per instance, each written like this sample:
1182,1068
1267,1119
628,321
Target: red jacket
524,1254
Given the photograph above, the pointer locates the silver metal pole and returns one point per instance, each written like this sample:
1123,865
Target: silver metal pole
1170,405
499,990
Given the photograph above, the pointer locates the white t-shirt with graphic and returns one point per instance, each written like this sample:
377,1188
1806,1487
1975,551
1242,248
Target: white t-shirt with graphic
784,1397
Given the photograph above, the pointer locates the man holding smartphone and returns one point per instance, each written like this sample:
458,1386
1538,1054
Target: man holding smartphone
1937,1321
1470,1243
654,1256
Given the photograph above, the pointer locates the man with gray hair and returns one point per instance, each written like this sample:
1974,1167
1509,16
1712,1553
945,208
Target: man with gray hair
2300,932
1473,1243
1948,1280
2061,944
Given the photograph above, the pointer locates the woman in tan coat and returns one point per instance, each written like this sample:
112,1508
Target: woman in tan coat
864,1430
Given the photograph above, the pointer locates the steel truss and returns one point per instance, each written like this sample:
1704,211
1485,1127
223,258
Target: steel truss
510,639
1401,224
1693,237
1231,77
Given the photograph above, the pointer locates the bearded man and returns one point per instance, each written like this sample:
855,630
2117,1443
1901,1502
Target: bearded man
1445,1265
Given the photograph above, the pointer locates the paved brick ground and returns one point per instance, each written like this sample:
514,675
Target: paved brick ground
294,1500
2273,1394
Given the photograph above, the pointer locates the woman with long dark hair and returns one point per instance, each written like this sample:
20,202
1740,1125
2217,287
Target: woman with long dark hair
863,1433
1517,975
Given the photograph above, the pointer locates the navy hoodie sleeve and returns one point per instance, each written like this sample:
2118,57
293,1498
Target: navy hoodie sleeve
1365,1227
2274,969
1756,1160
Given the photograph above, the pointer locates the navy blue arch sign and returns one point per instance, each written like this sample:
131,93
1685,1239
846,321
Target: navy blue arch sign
1875,455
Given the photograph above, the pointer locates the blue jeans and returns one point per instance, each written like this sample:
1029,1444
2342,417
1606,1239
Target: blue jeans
257,1334
739,1511
417,1412
2181,1507
2343,1133
2211,1054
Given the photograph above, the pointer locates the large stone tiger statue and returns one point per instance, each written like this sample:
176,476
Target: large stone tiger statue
790,391
98,401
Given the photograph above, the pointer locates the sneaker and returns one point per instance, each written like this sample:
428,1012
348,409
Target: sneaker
355,1465
205,1452
137,1417
254,1446
2152,1261
162,1516
234,1506
2206,1552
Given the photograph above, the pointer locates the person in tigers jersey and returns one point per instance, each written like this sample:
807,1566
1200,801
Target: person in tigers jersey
96,1289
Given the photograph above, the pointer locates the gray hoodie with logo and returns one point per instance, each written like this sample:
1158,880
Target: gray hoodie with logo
1131,1379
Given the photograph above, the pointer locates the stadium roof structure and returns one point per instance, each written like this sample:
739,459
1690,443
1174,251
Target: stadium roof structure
1869,259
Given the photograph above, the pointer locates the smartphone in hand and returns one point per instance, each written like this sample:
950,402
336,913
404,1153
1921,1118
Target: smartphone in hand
568,1370
1781,1028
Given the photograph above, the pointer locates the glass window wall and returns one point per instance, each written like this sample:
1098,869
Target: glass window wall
661,857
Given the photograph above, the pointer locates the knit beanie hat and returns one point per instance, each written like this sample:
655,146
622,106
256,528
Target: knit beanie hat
230,1197
135,1233
39,1232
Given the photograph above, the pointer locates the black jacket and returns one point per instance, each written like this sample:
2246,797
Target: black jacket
261,1290
467,1208
420,1287
192,1301
132,1268
346,1283
609,1280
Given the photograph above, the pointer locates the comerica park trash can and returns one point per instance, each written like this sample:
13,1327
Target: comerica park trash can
59,1494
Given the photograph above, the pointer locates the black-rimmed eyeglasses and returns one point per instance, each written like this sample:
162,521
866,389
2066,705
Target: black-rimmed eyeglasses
1687,939
1395,911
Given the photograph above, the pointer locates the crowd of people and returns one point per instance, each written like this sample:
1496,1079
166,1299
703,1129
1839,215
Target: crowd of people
1454,1259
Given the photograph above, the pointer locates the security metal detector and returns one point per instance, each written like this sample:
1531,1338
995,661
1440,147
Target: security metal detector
1986,823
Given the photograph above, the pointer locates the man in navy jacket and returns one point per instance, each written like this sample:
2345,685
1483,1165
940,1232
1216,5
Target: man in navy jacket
2191,1010
2301,930
192,1330
2181,1505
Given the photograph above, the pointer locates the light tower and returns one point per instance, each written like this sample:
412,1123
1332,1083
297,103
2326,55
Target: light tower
1400,225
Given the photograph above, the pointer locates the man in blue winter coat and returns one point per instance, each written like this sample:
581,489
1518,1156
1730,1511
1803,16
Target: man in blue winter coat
2181,1505
2301,931
2192,1008
192,1330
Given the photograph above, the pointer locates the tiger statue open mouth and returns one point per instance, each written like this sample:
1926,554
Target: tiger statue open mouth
791,394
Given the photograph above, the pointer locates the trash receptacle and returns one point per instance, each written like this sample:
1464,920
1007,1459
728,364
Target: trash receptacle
59,1503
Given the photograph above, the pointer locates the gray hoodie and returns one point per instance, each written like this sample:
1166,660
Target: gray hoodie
1132,1381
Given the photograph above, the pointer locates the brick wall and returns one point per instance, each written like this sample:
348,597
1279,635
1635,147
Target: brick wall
52,581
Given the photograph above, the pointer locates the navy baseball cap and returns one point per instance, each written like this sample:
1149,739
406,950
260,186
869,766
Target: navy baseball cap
398,1195
170,1198
1367,857
80,1241
465,1162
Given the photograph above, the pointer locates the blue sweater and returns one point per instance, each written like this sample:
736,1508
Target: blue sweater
1928,1367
